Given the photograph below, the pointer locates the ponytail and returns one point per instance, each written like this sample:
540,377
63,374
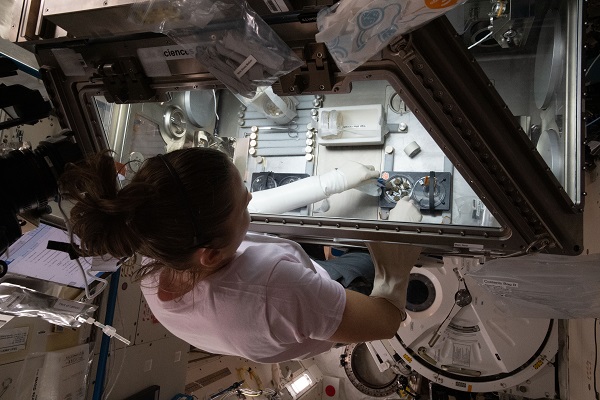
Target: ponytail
101,213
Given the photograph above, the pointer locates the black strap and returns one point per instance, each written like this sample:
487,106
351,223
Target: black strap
431,191
70,249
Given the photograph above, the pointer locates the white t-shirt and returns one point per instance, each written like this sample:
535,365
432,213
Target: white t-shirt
272,303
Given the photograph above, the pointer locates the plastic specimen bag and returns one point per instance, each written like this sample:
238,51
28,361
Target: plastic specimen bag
227,37
19,301
355,30
542,285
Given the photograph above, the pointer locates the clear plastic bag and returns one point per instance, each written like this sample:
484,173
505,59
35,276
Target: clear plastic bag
227,37
55,375
354,30
542,285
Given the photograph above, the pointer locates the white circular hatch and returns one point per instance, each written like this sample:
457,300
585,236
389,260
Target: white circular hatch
453,337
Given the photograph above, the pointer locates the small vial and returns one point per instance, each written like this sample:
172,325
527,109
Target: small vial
309,157
309,134
253,136
308,149
253,143
252,151
309,142
254,129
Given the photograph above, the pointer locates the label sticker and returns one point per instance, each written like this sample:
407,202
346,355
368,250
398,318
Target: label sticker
7,303
155,60
245,66
461,354
500,284
12,340
469,246
67,305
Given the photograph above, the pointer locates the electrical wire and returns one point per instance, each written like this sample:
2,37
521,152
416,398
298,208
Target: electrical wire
116,378
591,65
596,358
483,39
249,393
534,247
593,122
84,273
215,97
109,366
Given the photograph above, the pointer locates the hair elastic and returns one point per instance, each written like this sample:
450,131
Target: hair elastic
184,198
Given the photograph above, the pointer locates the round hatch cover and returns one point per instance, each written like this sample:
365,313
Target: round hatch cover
455,337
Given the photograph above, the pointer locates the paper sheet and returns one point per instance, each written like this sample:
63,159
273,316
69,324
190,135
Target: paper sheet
29,256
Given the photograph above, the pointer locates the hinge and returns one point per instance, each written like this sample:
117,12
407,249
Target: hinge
402,47
315,76
126,81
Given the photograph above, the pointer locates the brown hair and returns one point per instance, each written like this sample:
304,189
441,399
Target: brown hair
151,215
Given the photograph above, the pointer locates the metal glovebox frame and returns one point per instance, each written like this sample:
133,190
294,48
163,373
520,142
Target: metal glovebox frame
440,82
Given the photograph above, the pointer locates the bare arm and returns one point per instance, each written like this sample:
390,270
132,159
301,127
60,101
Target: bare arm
367,318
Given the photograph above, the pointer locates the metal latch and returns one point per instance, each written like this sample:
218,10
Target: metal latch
316,75
125,81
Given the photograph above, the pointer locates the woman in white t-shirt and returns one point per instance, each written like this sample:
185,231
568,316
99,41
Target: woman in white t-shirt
209,281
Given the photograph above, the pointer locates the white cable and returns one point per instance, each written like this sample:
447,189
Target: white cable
97,290
110,363
591,65
483,39
215,97
85,275
116,378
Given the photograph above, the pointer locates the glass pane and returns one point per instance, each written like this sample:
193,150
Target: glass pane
276,141
527,50
105,112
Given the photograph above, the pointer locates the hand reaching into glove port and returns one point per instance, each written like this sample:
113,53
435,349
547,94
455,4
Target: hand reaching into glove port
349,175
405,211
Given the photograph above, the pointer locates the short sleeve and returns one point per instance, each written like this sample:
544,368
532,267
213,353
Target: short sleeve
301,304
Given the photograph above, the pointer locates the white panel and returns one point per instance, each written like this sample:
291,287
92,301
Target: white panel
209,375
134,368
